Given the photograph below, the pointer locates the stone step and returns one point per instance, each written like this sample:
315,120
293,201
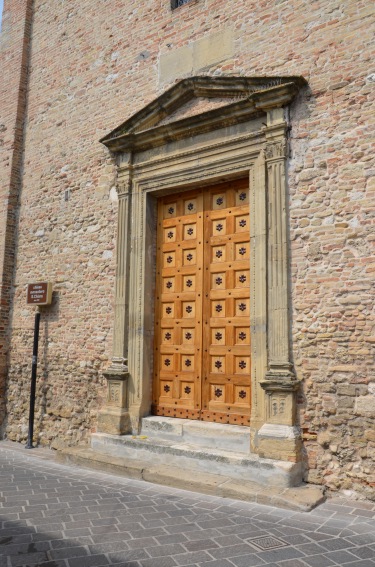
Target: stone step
302,498
198,459
233,438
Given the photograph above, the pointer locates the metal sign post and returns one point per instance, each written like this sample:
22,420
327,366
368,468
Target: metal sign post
37,294
33,381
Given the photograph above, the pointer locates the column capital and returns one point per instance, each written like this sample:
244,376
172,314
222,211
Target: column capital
276,149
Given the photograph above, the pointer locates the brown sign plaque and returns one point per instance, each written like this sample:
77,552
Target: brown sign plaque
39,293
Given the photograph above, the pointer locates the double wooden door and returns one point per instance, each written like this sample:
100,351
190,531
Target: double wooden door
202,319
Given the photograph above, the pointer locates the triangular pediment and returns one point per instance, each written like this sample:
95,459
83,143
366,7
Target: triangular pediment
201,103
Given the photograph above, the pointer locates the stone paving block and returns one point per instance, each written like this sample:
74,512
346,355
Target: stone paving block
196,534
129,555
317,536
363,538
109,547
66,552
280,554
181,528
335,544
248,561
158,562
77,532
341,556
218,563
62,543
362,528
228,540
141,543
318,561
309,548
149,524
167,549
27,559
291,563
363,552
175,538
192,557
200,545
88,561
214,523
329,530
151,532
297,540
361,563
232,551
46,536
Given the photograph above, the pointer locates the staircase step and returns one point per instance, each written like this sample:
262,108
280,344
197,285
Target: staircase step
232,438
235,465
300,498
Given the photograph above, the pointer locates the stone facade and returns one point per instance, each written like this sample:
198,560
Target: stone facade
87,68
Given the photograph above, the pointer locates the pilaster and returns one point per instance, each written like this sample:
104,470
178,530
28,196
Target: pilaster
278,437
114,416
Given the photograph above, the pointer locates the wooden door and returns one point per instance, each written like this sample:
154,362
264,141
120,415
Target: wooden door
202,319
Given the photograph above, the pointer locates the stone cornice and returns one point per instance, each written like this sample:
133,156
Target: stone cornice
253,97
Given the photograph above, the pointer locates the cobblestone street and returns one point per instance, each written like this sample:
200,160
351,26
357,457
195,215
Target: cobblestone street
58,516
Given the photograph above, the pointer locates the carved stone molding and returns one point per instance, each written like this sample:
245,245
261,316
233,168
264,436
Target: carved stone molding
276,150
160,151
114,416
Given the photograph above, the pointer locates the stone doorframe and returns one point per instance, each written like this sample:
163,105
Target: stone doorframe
205,130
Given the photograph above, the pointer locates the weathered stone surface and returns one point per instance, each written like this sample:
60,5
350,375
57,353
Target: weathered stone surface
302,498
90,80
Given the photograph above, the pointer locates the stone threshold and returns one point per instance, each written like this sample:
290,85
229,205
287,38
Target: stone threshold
300,498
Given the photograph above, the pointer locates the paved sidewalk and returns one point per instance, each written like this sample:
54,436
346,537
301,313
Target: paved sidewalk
54,515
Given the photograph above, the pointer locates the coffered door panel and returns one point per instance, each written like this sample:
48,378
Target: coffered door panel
202,316
226,318
178,315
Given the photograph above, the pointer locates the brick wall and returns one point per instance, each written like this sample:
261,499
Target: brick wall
14,52
93,64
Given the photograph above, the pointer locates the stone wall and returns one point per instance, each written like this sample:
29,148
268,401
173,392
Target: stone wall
93,64
14,53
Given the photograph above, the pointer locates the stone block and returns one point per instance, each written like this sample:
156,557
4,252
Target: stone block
175,63
365,406
115,421
213,48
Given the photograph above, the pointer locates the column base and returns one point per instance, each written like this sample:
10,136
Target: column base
281,442
114,420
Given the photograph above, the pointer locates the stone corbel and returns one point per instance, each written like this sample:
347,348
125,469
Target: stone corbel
114,416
